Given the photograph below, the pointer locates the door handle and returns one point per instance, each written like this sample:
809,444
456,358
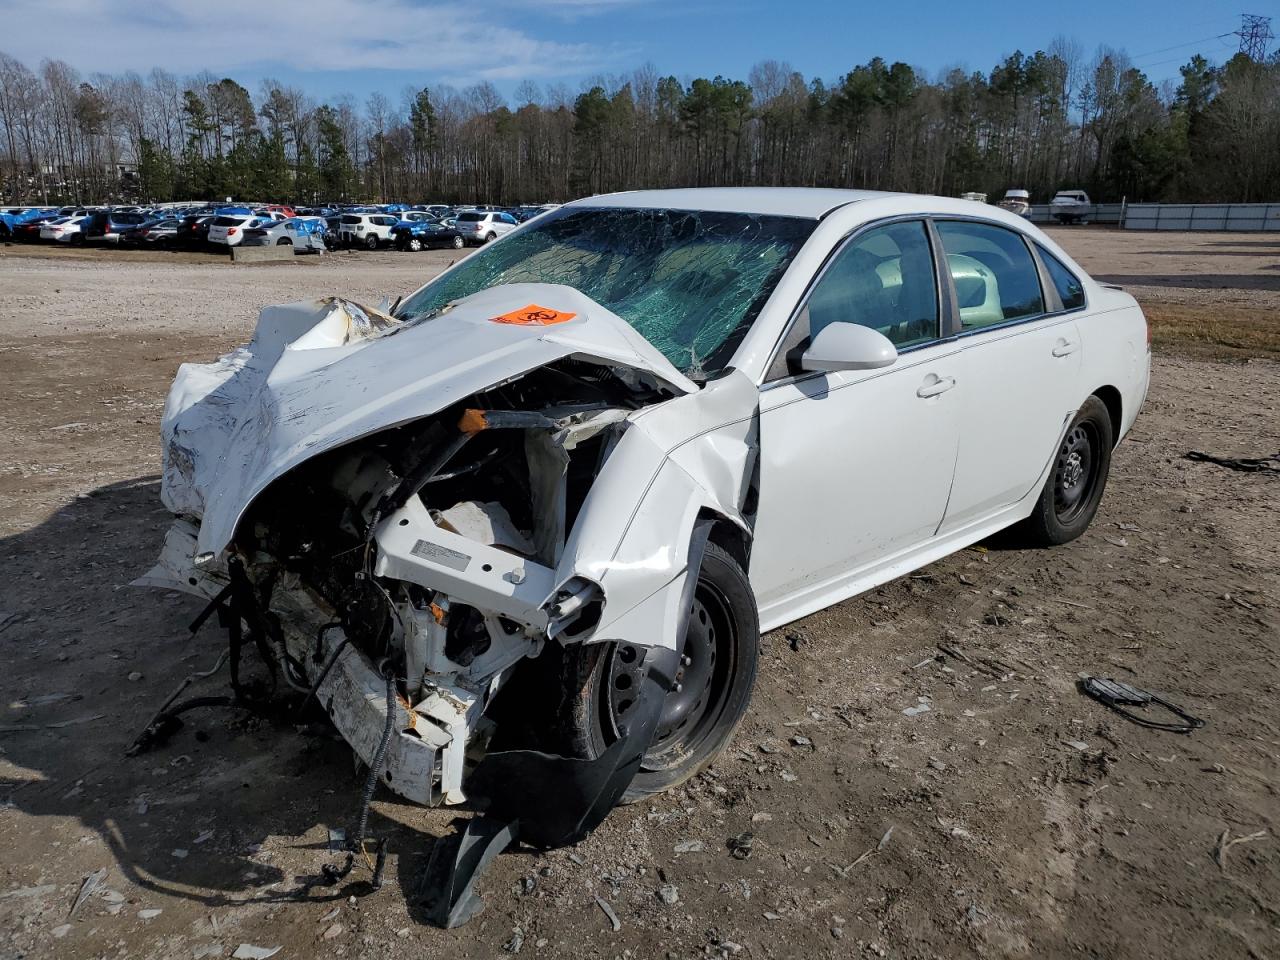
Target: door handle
1064,348
935,385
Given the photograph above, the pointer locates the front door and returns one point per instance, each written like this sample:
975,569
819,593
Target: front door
855,466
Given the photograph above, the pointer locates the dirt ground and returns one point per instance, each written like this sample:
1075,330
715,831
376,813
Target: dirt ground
1013,817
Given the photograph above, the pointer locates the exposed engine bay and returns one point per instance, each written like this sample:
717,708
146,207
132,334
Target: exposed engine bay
431,550
416,523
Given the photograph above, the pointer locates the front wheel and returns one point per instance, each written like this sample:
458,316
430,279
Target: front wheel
1076,481
700,712
458,243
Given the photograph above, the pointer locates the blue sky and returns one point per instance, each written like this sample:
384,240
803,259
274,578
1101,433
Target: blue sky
335,47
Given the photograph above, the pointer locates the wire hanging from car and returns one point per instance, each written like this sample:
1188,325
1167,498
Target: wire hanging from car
356,844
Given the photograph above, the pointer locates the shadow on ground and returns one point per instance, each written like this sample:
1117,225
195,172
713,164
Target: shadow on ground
86,660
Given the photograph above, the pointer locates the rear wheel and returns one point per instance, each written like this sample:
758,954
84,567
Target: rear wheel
1077,480
490,236
283,242
701,711
371,241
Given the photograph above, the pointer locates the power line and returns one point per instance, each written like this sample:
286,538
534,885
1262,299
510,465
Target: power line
1180,46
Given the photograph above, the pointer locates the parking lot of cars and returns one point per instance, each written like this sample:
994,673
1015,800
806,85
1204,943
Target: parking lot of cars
217,228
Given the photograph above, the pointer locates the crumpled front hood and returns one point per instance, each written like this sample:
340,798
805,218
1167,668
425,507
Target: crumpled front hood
320,374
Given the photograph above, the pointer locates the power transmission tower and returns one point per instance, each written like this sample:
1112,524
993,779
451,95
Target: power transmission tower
1254,33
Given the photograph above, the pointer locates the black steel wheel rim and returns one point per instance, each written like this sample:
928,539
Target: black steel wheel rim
696,701
1075,471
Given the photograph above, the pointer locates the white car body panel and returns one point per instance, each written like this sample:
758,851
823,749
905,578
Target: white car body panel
858,476
880,445
1005,446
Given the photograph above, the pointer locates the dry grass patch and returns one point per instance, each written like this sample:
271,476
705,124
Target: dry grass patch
1217,331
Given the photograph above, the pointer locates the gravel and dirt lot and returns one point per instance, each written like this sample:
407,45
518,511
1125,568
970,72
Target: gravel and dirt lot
1012,817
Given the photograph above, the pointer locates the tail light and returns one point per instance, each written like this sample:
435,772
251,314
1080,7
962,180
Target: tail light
231,231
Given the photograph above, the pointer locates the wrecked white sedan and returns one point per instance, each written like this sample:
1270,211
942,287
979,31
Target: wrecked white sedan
519,535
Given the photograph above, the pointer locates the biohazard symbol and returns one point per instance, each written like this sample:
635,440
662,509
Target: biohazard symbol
534,315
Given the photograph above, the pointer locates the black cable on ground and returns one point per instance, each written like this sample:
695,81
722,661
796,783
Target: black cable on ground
1269,464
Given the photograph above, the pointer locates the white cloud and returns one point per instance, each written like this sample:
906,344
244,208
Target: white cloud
451,41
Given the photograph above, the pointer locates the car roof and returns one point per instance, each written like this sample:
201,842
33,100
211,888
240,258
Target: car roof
811,202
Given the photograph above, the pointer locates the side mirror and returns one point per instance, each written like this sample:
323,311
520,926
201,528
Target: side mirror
848,346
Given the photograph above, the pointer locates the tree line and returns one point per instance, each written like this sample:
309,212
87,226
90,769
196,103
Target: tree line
1048,121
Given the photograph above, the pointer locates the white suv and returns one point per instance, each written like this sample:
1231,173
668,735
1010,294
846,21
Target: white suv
481,226
229,229
366,229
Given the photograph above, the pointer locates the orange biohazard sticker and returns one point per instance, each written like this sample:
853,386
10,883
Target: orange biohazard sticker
534,316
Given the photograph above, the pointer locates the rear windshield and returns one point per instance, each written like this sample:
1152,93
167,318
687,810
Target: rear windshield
351,219
471,217
227,222
690,282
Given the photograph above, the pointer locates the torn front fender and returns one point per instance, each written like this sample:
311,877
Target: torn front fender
687,457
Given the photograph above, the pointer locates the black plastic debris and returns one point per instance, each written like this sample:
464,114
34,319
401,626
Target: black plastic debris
1119,696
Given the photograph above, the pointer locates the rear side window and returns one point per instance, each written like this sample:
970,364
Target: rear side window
1070,289
994,275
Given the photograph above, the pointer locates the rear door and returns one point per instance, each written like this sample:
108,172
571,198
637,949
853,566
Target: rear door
1021,368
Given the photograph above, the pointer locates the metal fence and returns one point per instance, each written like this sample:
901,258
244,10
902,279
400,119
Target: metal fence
1202,216
1178,216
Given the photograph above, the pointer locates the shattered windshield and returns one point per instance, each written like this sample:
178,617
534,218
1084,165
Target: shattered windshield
690,282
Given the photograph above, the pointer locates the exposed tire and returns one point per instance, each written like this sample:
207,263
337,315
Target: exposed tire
490,236
1076,481
458,243
716,677
371,242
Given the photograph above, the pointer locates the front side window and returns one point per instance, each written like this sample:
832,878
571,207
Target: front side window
883,279
1070,289
690,282
994,275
